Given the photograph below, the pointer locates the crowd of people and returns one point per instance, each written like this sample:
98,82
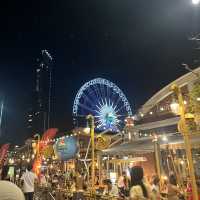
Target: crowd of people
136,187
23,191
133,187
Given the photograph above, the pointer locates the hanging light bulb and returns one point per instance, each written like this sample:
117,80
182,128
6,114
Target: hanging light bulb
195,2
174,107
164,138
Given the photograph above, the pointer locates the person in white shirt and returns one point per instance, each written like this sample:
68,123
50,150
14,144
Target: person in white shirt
10,191
28,179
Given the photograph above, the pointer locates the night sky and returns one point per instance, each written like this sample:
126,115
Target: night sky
137,44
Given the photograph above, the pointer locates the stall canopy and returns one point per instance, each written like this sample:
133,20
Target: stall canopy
145,145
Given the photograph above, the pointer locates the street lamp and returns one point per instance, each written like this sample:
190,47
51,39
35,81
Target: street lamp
195,2
157,155
185,132
90,119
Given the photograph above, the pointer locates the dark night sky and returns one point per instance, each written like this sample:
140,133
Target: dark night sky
137,44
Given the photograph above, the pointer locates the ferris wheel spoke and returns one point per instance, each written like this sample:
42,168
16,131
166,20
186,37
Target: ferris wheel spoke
101,91
86,107
117,102
92,95
88,99
96,91
102,102
108,92
106,103
120,109
98,107
99,103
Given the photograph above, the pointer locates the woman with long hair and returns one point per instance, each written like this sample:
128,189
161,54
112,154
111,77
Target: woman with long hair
139,190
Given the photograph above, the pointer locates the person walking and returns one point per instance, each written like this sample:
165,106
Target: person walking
28,181
139,190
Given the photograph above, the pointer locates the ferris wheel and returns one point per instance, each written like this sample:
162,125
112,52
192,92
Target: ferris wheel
105,101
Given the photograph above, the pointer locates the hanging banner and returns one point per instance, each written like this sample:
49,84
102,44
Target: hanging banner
66,148
3,153
46,138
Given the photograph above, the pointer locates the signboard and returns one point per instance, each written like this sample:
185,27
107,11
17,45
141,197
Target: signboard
66,148
102,142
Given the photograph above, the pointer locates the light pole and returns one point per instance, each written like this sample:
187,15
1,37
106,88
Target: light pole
157,155
90,119
185,132
38,144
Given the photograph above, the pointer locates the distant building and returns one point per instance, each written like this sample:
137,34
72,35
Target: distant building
39,114
155,116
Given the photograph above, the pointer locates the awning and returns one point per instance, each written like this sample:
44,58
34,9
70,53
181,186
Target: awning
145,145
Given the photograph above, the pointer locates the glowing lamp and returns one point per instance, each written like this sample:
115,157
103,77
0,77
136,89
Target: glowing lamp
11,161
182,162
164,178
174,107
195,2
86,130
164,138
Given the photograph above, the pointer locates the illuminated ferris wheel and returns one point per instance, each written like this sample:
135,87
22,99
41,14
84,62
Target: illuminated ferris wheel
105,101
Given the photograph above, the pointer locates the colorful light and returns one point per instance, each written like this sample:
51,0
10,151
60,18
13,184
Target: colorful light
106,116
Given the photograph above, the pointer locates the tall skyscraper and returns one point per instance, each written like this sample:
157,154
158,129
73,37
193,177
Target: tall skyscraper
39,114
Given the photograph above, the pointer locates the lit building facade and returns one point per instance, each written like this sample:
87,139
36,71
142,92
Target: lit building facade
39,114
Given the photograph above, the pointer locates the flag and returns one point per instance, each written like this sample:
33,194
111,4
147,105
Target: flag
3,153
47,136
